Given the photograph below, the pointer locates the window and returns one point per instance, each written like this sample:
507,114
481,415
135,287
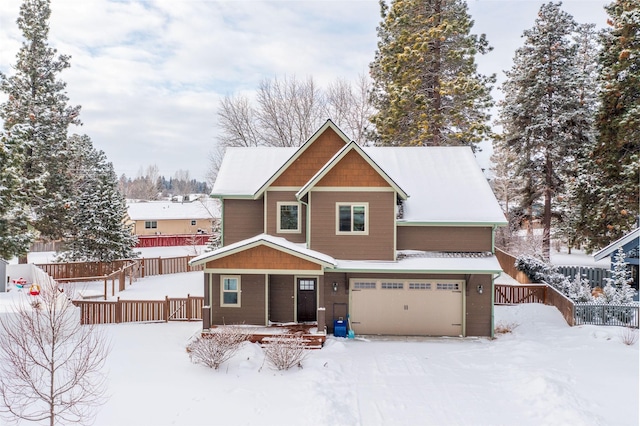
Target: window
307,284
193,223
447,286
288,217
151,224
419,286
352,218
392,286
362,285
229,291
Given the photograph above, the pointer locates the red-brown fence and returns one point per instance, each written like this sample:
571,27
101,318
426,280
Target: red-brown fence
506,294
120,311
167,265
507,263
172,240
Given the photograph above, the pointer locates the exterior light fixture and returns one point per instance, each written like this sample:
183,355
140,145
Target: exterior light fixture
480,289
335,287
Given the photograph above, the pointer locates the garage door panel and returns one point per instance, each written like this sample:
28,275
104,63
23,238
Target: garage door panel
414,309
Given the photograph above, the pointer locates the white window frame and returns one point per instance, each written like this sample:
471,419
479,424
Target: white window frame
223,291
281,204
152,224
352,205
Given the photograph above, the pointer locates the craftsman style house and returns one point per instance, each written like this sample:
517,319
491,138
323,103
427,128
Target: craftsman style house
398,238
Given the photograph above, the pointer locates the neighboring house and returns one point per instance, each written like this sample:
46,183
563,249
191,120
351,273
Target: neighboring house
401,239
173,218
630,244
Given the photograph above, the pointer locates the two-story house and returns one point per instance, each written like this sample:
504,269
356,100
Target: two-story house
399,238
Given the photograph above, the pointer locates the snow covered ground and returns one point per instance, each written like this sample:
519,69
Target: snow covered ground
543,373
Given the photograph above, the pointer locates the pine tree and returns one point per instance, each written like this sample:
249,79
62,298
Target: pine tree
15,193
98,209
615,158
37,103
544,121
426,86
621,279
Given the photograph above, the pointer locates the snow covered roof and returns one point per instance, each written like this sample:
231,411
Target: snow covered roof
444,184
270,241
419,262
163,210
606,252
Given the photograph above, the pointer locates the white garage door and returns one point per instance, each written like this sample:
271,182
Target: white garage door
406,307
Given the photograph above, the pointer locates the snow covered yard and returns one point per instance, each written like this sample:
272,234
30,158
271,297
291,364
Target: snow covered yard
544,372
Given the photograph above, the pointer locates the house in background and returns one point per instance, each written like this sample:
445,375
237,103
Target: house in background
630,244
173,218
401,239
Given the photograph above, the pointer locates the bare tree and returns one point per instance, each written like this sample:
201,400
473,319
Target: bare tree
146,185
238,122
50,364
349,106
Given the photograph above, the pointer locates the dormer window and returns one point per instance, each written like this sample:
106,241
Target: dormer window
288,217
352,218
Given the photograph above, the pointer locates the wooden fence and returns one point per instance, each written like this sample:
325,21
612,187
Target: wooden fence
167,265
505,294
508,265
596,276
172,240
601,314
121,311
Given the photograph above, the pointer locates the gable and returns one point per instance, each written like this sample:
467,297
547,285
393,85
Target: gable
262,258
316,155
353,170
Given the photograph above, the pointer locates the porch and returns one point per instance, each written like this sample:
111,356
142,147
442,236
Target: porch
312,337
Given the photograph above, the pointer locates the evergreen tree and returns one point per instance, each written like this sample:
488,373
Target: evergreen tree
426,86
613,194
621,279
38,104
98,209
544,121
15,193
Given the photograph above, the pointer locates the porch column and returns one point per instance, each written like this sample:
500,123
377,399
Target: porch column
206,309
322,315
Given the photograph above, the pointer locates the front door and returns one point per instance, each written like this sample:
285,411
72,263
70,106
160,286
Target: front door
307,291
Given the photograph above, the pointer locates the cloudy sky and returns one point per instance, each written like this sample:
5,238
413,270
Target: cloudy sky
149,74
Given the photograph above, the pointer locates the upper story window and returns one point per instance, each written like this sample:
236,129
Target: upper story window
288,217
150,224
352,218
193,223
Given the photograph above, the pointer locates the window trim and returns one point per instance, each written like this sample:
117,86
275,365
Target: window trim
150,224
352,205
194,222
223,291
281,204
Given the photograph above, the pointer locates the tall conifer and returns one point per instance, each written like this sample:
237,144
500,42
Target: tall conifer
426,86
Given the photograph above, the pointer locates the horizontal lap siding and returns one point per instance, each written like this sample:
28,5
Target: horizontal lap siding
378,245
336,303
281,298
444,238
252,310
242,219
478,313
273,197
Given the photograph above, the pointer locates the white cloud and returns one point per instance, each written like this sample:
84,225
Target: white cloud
149,74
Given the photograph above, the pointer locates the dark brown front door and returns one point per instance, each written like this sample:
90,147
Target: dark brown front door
307,290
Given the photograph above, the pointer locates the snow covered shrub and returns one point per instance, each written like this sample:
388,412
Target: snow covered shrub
539,271
506,327
217,347
629,336
579,290
284,352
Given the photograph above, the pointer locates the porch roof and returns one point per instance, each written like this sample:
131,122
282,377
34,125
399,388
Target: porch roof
626,239
427,262
268,240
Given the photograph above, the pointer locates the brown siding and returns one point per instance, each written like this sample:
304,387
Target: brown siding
353,170
273,197
336,303
242,219
262,257
444,238
252,300
281,298
378,245
311,160
479,306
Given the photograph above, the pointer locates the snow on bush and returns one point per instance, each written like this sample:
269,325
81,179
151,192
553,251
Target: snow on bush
217,347
286,351
629,336
505,327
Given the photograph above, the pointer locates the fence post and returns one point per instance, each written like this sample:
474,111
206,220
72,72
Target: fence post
166,309
144,262
188,307
105,287
159,265
118,311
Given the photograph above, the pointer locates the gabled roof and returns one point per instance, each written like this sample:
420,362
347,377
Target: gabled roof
269,241
352,146
165,210
606,252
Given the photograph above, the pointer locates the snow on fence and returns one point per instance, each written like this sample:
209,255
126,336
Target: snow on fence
121,311
596,276
508,265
